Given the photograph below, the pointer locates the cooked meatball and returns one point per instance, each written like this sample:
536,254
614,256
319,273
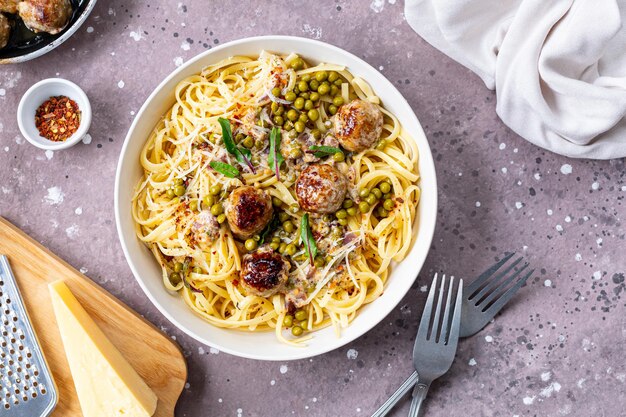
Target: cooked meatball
5,30
321,189
9,6
248,211
45,15
358,125
264,272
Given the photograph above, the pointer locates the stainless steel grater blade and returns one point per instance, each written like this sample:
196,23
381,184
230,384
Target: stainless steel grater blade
26,385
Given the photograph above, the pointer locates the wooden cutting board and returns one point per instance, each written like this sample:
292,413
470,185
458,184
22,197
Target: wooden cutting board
153,355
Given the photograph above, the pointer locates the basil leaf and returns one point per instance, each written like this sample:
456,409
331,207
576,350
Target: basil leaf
224,169
275,158
322,151
242,155
306,236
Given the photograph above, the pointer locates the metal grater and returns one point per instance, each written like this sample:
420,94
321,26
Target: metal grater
26,385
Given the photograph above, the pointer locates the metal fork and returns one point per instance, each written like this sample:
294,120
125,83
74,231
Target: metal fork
434,351
476,311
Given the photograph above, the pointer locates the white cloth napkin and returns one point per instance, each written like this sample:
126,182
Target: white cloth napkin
558,66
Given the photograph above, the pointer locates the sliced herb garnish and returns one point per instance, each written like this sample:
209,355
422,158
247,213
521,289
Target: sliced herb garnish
275,158
322,151
306,236
273,224
225,169
242,155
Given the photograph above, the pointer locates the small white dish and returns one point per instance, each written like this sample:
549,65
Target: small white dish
39,93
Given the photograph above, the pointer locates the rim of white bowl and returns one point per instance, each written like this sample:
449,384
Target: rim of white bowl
426,227
75,93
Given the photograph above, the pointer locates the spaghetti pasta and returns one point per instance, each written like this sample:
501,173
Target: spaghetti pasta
260,122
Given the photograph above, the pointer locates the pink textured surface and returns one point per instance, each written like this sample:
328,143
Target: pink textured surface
557,350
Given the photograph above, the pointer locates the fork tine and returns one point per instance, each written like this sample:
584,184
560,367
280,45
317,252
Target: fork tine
501,286
504,298
493,283
422,332
435,329
446,315
455,327
475,285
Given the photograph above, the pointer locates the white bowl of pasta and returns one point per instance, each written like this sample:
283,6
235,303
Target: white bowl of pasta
275,197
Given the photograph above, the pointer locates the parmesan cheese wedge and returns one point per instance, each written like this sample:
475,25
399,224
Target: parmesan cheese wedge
106,384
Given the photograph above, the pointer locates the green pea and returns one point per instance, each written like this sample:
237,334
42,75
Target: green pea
301,315
318,262
308,105
351,211
384,187
339,156
208,200
217,209
299,126
288,320
288,226
377,192
347,203
364,192
303,118
239,137
388,204
338,101
336,232
323,89
371,199
288,125
193,205
256,160
221,218
316,133
333,76
276,91
313,115
197,270
295,153
259,144
282,216
215,189
327,218
338,82
276,201
251,245
290,96
314,84
341,214
381,145
305,96
179,181
280,111
274,246
364,206
296,90
334,90
296,331
315,96
292,115
274,106
342,222
178,266
179,190
170,193
174,278
299,103
294,208
306,77
282,248
276,239
382,212
332,109
303,86
248,142
291,249
297,64
278,120
321,76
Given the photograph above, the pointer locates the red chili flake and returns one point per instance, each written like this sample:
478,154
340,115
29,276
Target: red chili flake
57,118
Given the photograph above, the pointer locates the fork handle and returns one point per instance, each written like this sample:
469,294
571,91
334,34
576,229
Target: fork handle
419,393
396,396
